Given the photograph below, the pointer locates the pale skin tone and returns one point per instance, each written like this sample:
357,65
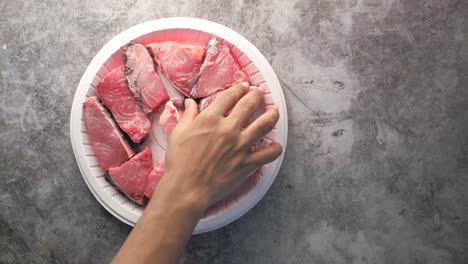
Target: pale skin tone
216,149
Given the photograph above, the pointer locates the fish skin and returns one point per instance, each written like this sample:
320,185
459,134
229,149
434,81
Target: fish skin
142,79
180,63
115,95
174,94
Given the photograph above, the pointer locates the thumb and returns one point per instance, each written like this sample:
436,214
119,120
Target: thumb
191,111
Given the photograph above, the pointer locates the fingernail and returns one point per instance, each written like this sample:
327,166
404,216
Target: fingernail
261,88
245,84
269,142
187,103
272,106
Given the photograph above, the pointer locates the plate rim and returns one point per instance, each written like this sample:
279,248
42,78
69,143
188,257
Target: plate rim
204,225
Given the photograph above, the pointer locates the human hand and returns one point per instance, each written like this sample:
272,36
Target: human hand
210,152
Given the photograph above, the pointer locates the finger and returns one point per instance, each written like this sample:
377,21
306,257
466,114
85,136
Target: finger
265,155
260,126
227,99
246,107
191,111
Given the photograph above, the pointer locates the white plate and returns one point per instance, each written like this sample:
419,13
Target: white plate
183,30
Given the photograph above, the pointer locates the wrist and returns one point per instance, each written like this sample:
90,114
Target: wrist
169,195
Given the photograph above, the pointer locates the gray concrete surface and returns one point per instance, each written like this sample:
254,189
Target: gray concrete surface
376,169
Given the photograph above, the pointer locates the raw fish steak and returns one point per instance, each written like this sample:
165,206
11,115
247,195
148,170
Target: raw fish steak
218,71
174,94
143,81
169,118
115,95
109,146
180,63
132,176
154,178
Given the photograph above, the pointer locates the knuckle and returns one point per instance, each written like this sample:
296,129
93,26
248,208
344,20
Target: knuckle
208,118
229,133
271,120
231,96
238,88
259,93
224,98
246,163
251,105
254,94
225,131
275,115
232,93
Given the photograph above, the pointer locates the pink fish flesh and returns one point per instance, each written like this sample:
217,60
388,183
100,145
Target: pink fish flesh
169,118
180,63
218,71
108,143
115,95
153,179
143,81
132,176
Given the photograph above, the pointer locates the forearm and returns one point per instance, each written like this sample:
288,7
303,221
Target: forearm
164,228
208,154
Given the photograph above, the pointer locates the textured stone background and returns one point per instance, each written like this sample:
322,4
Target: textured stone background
376,167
